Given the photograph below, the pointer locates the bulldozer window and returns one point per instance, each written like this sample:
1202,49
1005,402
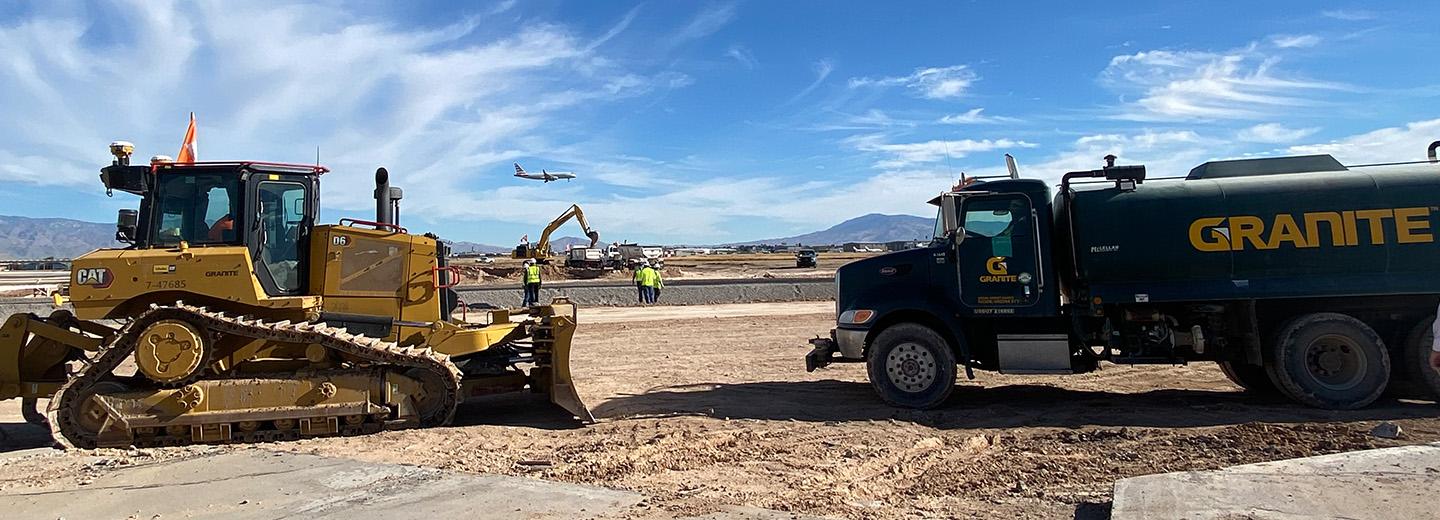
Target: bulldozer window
199,209
282,215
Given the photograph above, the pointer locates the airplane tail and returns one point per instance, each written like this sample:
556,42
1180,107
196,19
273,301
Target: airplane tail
518,170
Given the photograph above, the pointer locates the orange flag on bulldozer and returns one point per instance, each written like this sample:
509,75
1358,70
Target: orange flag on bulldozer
187,149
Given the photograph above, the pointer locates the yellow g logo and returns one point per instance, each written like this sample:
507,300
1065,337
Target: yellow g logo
996,266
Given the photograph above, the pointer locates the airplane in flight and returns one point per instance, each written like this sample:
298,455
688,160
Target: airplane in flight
543,175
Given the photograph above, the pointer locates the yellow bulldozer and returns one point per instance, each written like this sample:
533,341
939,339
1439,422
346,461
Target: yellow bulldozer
234,317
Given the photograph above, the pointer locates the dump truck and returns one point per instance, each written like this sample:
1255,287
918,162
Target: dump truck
234,316
1297,275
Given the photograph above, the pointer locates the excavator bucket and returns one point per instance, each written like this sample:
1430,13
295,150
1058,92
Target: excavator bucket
552,358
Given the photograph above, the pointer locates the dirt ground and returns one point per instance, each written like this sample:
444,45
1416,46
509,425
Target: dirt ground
704,411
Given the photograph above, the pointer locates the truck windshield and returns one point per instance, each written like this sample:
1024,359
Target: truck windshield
939,224
197,208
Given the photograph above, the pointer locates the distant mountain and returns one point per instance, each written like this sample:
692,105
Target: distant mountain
466,247
24,238
563,243
869,228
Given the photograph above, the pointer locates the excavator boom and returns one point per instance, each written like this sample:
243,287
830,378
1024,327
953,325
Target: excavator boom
542,248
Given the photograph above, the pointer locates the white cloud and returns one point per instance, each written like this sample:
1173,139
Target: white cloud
931,82
905,155
1393,144
1191,85
742,55
1349,15
1292,41
444,108
975,116
1274,133
705,23
822,69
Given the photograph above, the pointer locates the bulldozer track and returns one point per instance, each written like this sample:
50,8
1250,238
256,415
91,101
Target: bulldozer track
373,353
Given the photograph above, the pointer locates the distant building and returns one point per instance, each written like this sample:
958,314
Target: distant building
863,247
902,245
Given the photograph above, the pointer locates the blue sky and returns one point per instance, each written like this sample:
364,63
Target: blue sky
696,122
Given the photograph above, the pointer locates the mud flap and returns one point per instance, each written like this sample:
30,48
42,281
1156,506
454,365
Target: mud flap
552,372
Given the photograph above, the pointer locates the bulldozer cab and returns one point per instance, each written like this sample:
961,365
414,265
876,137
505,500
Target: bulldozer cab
268,208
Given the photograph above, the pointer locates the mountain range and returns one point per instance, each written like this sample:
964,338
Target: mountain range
874,227
23,238
36,238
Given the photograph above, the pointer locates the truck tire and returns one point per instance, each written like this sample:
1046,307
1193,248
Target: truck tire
1329,360
1415,361
911,366
1254,379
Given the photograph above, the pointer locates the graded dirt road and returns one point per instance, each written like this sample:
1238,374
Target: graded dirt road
702,412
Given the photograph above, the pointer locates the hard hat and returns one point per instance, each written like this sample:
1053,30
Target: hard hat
530,262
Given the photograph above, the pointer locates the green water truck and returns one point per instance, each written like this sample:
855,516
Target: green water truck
1297,275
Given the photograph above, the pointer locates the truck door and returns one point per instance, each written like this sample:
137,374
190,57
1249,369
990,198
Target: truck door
999,264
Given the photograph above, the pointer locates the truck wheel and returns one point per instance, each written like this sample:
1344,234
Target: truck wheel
1252,378
1415,360
1329,360
910,365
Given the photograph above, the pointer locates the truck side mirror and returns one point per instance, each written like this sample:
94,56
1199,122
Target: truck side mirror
957,236
125,225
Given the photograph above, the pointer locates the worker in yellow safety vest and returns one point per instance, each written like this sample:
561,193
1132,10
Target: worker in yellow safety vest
659,284
639,281
648,280
532,284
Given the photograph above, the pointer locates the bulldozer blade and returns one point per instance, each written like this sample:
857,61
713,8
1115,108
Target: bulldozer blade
555,375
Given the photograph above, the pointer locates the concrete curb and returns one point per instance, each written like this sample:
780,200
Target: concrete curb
1383,483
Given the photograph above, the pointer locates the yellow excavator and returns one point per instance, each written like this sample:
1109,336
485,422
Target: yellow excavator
234,317
541,250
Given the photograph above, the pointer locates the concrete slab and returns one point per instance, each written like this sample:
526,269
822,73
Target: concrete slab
1384,483
254,484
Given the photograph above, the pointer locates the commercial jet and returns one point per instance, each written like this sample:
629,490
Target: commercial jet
543,175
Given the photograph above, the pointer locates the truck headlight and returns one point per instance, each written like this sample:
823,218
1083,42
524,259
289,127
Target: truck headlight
856,317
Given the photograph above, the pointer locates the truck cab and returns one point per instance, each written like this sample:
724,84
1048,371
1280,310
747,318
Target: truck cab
986,277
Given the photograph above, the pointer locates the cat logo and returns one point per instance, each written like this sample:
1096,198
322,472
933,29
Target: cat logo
97,277
999,271
1313,230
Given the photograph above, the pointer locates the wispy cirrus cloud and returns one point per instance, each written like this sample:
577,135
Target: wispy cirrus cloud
928,82
1274,133
904,155
976,116
1197,85
742,55
1295,41
1390,144
822,70
706,22
1349,15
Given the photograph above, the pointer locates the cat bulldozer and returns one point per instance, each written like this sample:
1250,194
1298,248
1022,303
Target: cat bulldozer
234,317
